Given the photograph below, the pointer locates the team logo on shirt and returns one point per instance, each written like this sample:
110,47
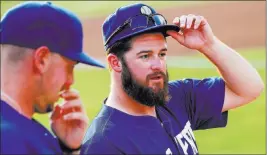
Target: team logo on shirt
185,139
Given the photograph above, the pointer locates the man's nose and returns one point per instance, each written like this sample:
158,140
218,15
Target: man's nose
156,64
69,82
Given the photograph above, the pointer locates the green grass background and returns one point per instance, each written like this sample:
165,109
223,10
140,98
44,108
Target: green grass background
245,132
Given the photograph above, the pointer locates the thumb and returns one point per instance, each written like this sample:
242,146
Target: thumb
177,36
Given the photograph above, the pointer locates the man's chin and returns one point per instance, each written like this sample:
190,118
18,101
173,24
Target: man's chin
47,109
156,88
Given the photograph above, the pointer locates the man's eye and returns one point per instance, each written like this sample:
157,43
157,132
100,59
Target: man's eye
144,56
162,54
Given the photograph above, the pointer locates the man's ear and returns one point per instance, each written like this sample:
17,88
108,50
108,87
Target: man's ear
114,62
41,59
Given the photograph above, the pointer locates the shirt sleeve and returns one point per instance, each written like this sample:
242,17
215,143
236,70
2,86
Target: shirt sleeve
202,99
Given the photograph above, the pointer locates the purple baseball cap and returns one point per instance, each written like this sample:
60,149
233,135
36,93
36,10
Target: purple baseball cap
36,24
131,20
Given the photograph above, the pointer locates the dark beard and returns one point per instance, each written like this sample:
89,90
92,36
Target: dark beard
142,94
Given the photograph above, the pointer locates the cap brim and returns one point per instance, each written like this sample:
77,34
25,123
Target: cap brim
162,28
85,59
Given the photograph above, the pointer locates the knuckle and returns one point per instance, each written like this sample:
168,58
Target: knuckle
176,18
183,17
191,15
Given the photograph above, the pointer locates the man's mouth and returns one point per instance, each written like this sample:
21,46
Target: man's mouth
156,78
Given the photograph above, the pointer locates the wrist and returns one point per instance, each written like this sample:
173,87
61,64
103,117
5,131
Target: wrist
66,148
210,47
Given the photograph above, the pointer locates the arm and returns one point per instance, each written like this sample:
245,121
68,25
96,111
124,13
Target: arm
243,83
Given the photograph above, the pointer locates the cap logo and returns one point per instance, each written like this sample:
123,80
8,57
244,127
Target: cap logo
146,10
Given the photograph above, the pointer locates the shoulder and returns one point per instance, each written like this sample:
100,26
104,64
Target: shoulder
12,134
193,82
9,127
181,86
183,90
97,139
181,83
23,136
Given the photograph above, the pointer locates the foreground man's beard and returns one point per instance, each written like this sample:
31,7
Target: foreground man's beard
142,94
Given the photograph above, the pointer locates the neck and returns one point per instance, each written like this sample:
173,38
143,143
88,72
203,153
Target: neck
17,94
118,99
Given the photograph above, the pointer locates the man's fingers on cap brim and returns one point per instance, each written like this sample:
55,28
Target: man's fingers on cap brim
182,21
176,21
198,21
190,20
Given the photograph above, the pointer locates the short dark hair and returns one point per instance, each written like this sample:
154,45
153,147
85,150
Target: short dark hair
121,47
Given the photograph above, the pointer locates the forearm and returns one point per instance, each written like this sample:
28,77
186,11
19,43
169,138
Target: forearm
239,75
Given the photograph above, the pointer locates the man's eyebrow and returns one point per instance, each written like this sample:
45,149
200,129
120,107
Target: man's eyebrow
144,51
163,50
148,51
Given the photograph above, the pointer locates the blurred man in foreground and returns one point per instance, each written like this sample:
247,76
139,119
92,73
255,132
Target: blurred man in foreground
40,45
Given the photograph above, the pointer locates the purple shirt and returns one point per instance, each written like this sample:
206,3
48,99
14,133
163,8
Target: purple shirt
194,105
20,135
